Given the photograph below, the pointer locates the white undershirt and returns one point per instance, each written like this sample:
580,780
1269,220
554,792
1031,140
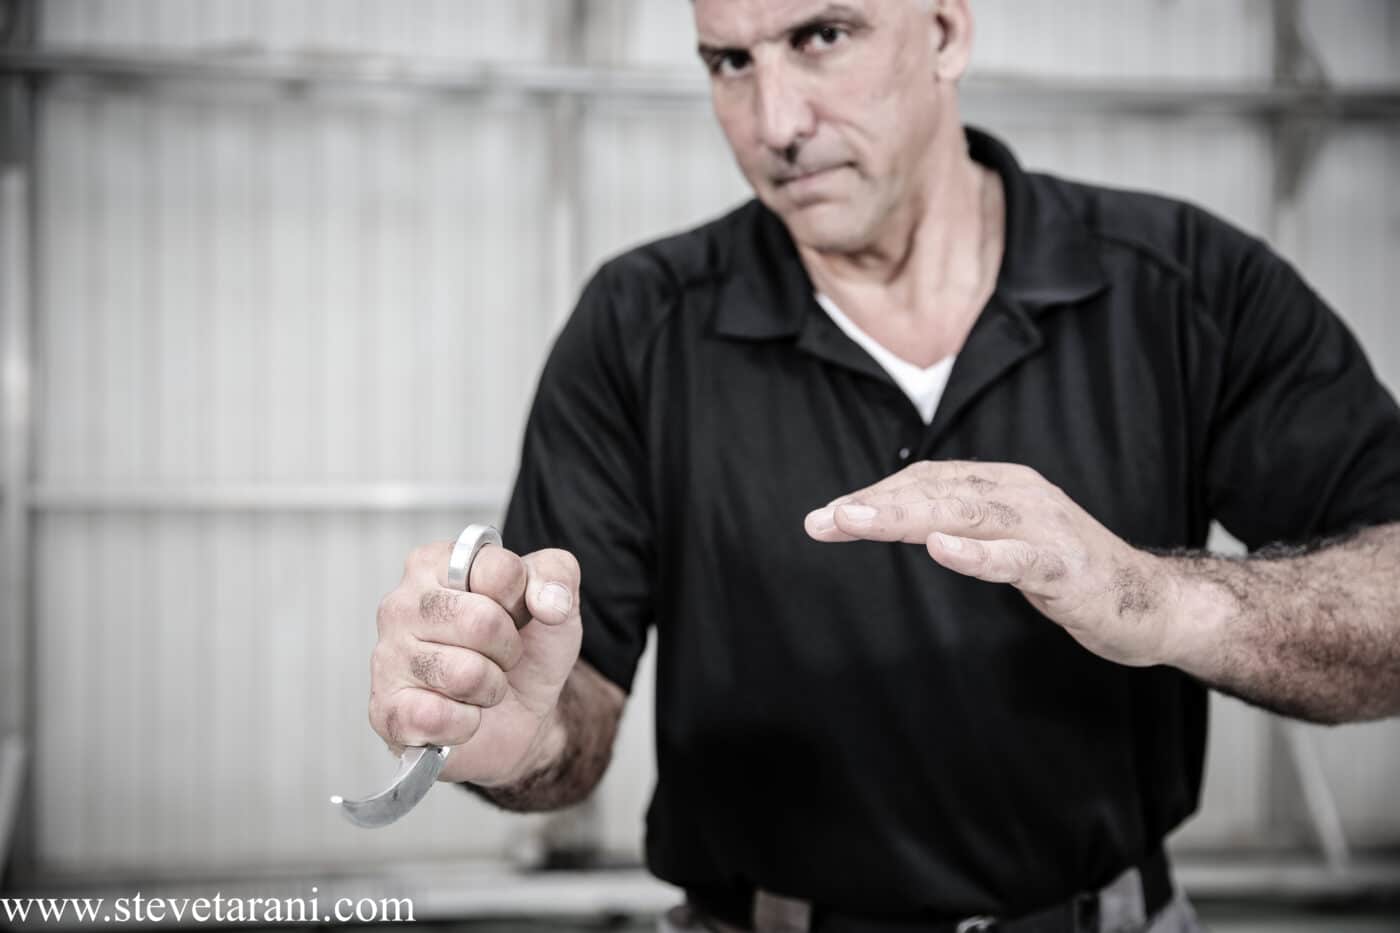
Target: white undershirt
923,386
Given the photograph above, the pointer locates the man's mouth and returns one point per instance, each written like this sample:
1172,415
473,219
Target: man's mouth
788,178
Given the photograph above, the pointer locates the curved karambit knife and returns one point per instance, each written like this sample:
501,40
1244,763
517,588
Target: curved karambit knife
419,766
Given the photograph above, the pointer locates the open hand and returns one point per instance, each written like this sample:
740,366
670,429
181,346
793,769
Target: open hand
1005,523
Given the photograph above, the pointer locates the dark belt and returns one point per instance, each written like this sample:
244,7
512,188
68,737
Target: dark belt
1079,914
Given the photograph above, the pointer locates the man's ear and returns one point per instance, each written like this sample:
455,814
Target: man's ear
953,23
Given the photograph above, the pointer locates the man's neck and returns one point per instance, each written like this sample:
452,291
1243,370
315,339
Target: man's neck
919,289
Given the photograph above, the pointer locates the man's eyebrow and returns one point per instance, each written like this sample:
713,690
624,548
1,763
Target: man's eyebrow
830,12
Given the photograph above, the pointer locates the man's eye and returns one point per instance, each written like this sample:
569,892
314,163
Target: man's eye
729,63
820,38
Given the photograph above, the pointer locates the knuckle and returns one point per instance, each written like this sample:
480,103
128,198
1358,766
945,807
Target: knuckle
429,718
418,559
468,721
483,626
512,648
561,565
933,488
439,606
394,725
969,510
569,564
426,665
379,664
389,612
503,574
499,687
472,676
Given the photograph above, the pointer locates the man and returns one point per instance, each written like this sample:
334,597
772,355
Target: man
991,704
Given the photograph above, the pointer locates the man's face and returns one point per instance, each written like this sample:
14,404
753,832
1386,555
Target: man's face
829,105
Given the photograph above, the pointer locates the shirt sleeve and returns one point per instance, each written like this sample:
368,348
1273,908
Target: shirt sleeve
582,481
1304,441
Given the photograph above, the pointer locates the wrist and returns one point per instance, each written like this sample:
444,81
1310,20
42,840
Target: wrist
1197,610
545,749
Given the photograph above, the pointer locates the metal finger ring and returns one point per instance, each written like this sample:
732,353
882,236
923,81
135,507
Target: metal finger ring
472,539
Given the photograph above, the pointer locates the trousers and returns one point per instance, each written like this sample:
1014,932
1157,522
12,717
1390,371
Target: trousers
1178,916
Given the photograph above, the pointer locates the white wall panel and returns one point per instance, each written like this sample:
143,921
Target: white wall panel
1221,165
1357,40
204,684
1348,234
652,172
1089,38
253,287
1346,244
1190,42
275,292
438,29
281,293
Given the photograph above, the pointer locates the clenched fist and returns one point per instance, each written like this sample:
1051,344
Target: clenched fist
480,670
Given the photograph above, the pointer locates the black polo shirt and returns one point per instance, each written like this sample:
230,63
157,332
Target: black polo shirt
852,723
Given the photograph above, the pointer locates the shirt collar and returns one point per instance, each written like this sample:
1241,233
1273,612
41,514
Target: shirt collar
1048,258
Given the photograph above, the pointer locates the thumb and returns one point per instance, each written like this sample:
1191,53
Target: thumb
552,585
553,637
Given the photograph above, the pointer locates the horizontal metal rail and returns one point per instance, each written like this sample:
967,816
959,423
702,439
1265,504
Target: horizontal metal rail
303,71
264,497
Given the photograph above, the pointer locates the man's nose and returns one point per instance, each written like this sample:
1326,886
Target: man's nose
785,116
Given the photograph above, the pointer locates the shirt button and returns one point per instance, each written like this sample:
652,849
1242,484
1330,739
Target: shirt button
904,453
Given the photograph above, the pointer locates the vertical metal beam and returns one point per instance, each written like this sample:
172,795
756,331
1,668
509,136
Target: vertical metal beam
570,48
1317,797
1298,137
571,837
17,29
1298,140
12,756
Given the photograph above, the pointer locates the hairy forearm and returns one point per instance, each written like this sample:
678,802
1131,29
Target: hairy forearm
1311,633
573,751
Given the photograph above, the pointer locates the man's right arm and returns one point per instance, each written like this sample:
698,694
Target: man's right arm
573,750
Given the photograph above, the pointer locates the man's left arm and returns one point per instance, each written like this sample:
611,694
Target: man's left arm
1312,633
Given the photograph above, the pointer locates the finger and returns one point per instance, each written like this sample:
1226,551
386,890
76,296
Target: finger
552,591
931,487
459,673
973,472
928,479
821,523
552,644
889,516
414,716
913,521
500,574
468,620
1001,561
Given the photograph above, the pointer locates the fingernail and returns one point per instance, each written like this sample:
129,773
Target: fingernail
948,543
860,514
822,519
557,597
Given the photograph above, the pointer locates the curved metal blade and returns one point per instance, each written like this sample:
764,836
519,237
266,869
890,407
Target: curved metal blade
418,770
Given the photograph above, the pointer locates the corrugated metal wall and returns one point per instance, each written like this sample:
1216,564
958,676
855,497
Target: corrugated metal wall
245,289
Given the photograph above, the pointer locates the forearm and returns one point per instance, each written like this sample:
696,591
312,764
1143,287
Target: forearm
572,749
1313,634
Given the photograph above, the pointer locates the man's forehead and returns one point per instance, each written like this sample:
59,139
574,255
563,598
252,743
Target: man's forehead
741,23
